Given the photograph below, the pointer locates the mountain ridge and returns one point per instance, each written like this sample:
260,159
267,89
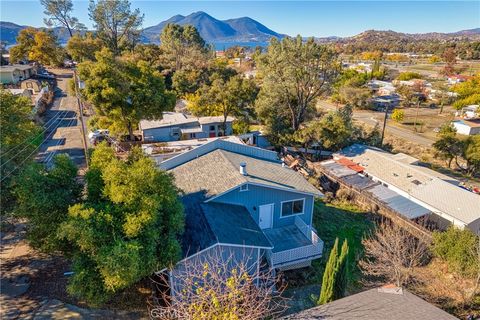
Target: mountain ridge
242,29
245,29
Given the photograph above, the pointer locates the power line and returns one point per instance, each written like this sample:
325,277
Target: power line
26,140
26,158
53,123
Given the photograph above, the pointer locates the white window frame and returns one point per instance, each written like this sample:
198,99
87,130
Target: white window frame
244,186
294,214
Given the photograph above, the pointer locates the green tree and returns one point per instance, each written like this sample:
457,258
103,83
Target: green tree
334,280
59,14
116,24
127,228
83,48
356,97
25,42
182,45
46,50
398,115
40,46
43,197
409,75
294,74
448,147
468,92
332,132
19,137
471,153
459,248
327,290
233,97
125,91
341,280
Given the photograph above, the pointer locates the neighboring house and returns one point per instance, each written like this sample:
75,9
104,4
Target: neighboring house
390,101
386,302
162,151
241,201
21,92
467,127
469,112
401,173
457,79
178,126
15,73
377,84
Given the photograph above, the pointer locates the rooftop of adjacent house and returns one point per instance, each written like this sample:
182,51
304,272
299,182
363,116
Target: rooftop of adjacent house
168,119
472,123
400,204
18,91
183,145
376,304
177,118
419,182
215,119
233,224
218,171
13,67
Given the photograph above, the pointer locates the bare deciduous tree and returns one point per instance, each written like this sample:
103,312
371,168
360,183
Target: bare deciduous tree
212,287
392,254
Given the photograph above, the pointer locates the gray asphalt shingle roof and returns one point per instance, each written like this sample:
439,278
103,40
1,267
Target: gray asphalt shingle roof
375,304
233,224
218,171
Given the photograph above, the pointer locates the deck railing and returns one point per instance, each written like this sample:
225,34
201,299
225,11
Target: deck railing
300,254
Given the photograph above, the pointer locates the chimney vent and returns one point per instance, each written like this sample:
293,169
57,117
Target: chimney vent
243,168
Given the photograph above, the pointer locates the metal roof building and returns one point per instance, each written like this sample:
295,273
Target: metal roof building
421,185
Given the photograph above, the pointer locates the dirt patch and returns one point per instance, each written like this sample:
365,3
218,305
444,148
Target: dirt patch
436,284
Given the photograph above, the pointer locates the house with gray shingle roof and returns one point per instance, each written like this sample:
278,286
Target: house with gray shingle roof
386,302
240,199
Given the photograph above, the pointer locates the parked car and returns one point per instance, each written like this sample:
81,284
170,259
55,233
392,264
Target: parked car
96,140
45,74
98,132
98,135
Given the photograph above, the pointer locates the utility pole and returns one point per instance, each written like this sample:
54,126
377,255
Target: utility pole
76,80
385,122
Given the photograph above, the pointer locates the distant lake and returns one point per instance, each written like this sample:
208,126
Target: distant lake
217,45
226,45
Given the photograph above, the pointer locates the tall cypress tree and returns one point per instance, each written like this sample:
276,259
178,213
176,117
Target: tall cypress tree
340,282
328,281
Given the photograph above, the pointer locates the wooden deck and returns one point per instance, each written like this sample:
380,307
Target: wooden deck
286,238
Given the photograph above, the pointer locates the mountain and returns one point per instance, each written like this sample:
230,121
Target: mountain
468,32
9,32
213,30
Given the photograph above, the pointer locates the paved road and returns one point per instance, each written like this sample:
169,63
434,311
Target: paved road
64,134
373,117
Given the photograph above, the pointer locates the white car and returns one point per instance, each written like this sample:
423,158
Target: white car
98,133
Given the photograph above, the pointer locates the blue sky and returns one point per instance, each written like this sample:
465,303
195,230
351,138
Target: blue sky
308,18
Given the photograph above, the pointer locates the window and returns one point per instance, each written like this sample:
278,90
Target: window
212,128
175,131
244,187
290,208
